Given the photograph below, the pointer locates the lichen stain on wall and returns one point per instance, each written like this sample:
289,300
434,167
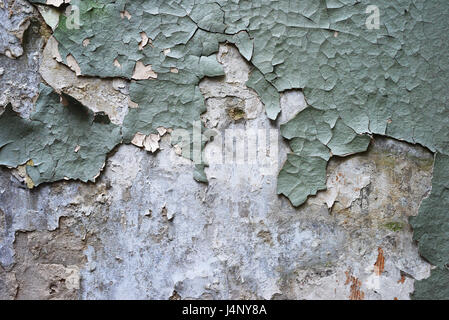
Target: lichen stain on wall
357,82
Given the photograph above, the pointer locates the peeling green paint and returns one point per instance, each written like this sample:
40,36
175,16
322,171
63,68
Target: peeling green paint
357,81
63,141
431,230
314,136
394,226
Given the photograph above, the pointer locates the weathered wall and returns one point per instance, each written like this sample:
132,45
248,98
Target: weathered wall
146,230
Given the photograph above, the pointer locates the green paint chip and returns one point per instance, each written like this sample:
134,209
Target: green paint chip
391,80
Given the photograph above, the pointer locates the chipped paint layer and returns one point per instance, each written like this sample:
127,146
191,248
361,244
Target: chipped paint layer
99,95
234,238
431,230
59,125
379,266
376,100
357,80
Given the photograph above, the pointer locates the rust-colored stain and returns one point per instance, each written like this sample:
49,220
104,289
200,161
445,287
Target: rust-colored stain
356,284
402,279
338,176
380,263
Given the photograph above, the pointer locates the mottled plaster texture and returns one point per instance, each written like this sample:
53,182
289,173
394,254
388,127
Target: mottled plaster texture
357,83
